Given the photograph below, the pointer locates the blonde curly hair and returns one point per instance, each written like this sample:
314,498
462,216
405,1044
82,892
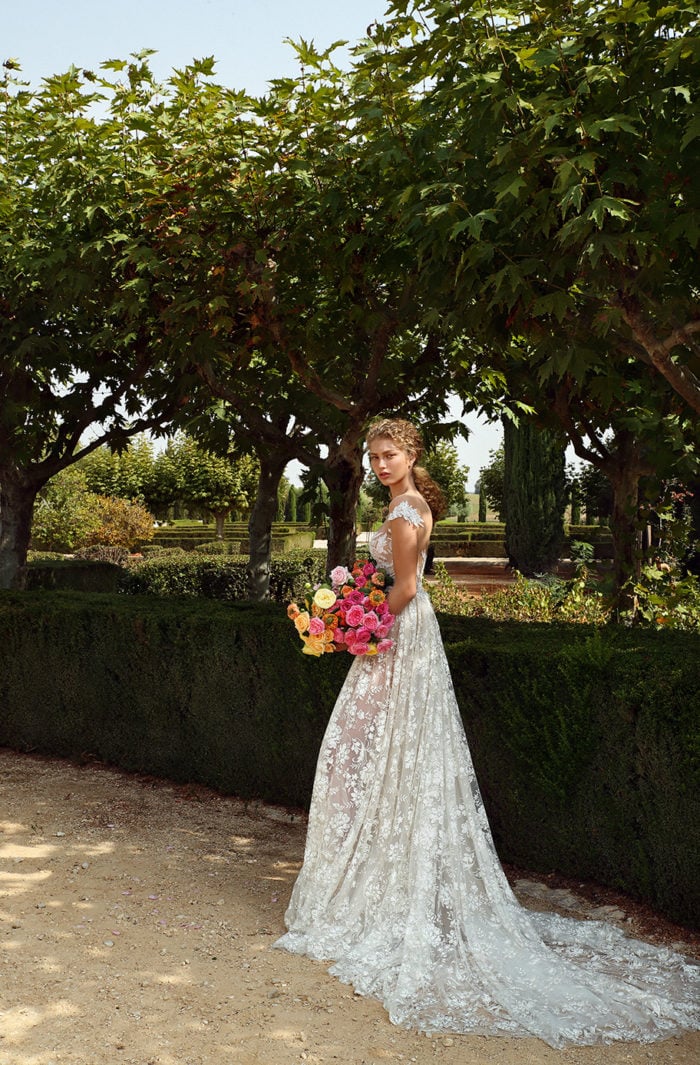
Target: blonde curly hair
406,436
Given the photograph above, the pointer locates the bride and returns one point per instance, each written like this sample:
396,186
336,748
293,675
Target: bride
401,886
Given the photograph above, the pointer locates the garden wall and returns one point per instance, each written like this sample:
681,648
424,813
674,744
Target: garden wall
585,741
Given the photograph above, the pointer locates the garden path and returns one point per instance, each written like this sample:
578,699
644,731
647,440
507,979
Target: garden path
136,919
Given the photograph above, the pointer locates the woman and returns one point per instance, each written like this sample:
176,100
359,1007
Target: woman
401,885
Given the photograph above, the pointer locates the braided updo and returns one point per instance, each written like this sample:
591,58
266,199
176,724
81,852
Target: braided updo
406,436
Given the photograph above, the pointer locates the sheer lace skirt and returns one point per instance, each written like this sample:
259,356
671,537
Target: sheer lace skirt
402,888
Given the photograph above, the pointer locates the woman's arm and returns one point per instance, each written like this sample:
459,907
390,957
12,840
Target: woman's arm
404,543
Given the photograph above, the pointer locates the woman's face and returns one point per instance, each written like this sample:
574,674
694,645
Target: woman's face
390,463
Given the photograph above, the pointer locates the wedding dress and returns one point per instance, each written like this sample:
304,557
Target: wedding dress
401,886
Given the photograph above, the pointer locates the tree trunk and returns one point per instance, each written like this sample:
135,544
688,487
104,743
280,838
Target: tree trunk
17,496
626,532
343,475
263,514
220,518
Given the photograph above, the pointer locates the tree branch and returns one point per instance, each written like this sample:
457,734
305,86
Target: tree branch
681,378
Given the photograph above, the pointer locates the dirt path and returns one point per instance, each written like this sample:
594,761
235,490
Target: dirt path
136,919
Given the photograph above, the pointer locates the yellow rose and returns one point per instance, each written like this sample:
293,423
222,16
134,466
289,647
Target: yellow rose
372,649
325,598
302,621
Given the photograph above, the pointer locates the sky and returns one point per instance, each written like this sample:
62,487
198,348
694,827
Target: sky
247,39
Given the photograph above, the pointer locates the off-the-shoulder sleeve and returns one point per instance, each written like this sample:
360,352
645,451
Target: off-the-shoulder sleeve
405,510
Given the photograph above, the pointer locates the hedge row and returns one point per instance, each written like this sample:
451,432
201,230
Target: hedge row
284,538
221,578
586,743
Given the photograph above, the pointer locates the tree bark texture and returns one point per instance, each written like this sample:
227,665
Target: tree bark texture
17,496
343,475
263,514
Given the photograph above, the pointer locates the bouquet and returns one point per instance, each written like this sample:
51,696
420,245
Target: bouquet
348,614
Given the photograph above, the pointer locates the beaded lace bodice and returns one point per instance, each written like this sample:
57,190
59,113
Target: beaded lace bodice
402,888
380,541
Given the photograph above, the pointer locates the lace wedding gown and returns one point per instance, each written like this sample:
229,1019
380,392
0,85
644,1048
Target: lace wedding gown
402,888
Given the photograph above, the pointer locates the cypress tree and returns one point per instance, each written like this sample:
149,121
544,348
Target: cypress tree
482,504
534,497
290,513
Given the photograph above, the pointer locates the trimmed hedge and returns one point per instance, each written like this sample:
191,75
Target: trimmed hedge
469,548
285,538
68,574
586,742
194,574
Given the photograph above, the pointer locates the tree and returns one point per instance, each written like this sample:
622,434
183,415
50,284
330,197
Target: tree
279,320
214,483
546,237
79,347
595,493
290,510
127,473
491,486
442,463
565,148
534,491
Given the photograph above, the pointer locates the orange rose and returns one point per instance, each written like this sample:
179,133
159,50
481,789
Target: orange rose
376,597
378,579
302,620
346,590
313,645
293,611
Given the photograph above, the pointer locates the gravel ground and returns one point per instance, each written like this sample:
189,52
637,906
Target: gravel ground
136,918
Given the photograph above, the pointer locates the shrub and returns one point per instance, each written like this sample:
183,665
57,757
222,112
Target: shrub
219,547
223,578
160,551
122,524
666,599
585,740
544,599
66,513
103,553
73,575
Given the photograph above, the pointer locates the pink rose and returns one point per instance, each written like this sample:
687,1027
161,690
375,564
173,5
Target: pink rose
339,575
371,621
338,636
316,627
384,645
382,608
355,597
368,569
358,648
355,616
381,631
362,634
